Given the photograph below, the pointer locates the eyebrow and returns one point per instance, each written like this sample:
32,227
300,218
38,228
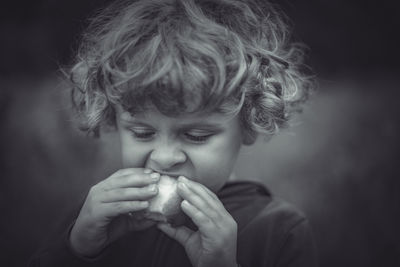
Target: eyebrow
188,125
202,125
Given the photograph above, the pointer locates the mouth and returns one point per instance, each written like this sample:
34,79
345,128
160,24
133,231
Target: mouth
173,175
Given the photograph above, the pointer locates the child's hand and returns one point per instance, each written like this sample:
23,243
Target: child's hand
214,244
104,215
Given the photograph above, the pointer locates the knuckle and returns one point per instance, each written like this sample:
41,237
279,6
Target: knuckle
214,196
90,211
227,233
111,183
235,226
120,172
93,190
106,185
115,174
135,176
119,207
203,219
196,199
197,214
134,205
122,193
215,215
92,199
144,191
125,181
208,190
205,188
232,226
138,192
126,193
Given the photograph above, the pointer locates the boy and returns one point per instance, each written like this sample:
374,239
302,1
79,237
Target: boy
185,83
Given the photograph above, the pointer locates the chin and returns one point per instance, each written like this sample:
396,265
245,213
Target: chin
166,205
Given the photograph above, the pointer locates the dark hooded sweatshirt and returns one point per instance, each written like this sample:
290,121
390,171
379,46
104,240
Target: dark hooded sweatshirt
271,233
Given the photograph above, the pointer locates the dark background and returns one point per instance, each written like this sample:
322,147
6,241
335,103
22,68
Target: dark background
339,163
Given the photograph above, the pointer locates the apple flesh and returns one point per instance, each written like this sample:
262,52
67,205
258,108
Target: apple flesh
166,205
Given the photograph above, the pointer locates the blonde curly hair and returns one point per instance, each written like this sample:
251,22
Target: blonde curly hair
231,56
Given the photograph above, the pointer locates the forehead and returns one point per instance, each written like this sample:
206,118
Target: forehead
150,115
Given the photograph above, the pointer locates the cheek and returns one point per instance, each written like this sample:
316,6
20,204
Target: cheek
214,165
133,155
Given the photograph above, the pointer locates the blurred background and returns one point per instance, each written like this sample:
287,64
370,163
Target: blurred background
339,163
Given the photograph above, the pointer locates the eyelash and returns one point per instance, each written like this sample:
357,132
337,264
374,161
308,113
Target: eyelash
146,136
142,135
198,138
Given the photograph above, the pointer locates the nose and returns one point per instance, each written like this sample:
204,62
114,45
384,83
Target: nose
166,156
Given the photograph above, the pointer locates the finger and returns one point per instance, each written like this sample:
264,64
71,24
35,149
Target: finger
130,180
126,194
197,201
202,191
180,234
205,224
123,207
129,171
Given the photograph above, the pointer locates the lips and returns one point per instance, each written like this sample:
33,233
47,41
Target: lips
170,174
165,206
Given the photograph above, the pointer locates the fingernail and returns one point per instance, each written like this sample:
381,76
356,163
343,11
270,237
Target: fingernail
152,188
182,186
182,178
147,171
185,203
155,176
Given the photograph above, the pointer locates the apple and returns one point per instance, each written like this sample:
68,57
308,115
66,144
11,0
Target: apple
166,205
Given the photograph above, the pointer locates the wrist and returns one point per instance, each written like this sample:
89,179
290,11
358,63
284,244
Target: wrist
79,247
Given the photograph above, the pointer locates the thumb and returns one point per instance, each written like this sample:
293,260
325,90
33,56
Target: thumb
180,234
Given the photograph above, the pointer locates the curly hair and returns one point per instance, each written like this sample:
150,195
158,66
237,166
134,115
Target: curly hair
187,56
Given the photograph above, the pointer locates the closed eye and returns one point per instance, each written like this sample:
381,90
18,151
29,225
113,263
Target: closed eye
197,138
142,134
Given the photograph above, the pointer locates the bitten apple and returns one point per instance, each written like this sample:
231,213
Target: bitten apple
165,206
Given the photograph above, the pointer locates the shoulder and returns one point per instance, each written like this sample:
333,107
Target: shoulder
285,233
255,200
272,215
280,213
281,223
271,231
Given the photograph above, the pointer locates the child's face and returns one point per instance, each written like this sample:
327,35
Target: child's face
201,147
